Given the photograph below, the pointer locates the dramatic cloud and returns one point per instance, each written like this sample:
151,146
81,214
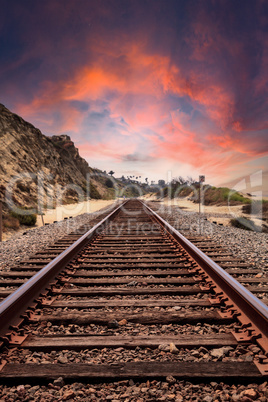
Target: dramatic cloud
147,85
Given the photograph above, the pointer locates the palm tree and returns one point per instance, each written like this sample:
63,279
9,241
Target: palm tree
111,172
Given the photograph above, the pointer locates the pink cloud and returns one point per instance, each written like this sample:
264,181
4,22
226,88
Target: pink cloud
136,84
105,149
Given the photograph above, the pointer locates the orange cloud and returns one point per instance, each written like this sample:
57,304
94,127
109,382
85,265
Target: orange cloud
240,144
141,74
135,85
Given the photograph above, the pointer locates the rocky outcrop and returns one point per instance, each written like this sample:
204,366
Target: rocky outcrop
26,152
66,146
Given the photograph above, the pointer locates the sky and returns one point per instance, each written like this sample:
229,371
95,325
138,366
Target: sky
153,88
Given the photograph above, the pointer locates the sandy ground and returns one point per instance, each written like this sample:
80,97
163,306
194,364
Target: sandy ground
186,206
189,206
233,211
64,211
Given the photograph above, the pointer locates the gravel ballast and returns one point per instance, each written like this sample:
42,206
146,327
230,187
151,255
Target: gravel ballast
128,390
250,246
32,241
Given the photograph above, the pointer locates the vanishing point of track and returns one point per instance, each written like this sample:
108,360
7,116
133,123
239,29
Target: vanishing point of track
132,282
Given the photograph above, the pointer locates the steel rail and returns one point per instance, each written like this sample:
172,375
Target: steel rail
249,306
14,305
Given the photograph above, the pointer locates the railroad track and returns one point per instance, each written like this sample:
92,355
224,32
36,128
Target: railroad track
131,298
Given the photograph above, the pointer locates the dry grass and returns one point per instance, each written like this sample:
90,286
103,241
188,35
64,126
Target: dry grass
10,222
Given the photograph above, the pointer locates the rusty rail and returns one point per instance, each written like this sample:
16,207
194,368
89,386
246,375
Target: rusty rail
250,310
238,301
14,305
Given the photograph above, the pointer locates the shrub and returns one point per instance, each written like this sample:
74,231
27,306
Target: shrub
218,195
175,190
244,223
27,219
93,192
240,198
132,191
185,191
109,183
11,223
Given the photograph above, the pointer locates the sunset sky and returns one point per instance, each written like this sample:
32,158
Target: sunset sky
143,87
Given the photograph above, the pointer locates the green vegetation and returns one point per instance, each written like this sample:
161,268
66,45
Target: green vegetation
244,223
27,219
109,183
185,191
221,195
248,224
240,198
176,189
132,191
211,195
93,192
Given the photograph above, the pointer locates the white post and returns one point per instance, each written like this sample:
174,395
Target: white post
201,181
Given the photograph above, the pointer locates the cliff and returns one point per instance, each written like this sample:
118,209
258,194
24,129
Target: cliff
55,160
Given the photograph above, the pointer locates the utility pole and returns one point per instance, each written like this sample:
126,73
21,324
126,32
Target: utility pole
199,197
201,181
